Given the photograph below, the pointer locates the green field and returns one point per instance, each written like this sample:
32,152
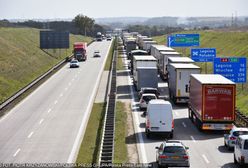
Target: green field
226,44
21,60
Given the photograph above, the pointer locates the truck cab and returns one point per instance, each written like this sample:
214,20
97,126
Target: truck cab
79,51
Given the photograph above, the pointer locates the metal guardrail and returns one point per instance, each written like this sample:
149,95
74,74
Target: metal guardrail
107,144
33,83
241,119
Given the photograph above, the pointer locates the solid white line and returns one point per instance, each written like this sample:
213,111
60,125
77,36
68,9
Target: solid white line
205,158
31,133
184,125
18,150
41,121
49,110
56,101
137,122
85,118
193,138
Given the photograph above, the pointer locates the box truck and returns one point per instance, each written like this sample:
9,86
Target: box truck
156,49
159,118
147,45
178,81
130,45
146,77
142,41
143,61
163,62
79,51
184,60
212,101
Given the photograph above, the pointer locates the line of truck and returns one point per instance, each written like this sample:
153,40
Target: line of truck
211,98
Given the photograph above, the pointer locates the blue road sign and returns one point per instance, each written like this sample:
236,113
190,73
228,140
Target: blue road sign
183,40
203,54
233,68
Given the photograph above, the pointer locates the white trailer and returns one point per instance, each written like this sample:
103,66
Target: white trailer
143,61
163,62
147,45
156,49
138,39
184,60
141,44
178,81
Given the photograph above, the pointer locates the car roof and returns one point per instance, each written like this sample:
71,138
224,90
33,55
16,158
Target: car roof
240,129
148,88
243,137
148,94
173,143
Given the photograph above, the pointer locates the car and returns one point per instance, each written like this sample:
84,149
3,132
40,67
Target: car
97,53
148,90
172,153
74,63
241,151
144,100
230,139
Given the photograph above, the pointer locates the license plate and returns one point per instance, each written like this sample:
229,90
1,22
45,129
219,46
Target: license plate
175,157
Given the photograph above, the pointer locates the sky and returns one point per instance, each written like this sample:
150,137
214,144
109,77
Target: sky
52,9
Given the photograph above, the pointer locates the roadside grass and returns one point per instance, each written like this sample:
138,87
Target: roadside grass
21,59
90,146
120,148
226,44
120,65
107,66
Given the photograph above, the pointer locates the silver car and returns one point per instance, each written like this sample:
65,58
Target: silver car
97,53
230,139
144,100
74,63
172,153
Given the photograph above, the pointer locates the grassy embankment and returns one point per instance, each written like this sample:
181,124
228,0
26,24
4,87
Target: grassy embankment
21,59
226,44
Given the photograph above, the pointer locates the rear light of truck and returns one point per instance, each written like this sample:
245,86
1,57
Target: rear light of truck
172,123
242,159
163,157
233,138
147,124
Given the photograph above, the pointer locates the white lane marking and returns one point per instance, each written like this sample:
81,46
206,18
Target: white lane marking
41,121
83,125
193,138
176,113
18,150
56,101
49,110
184,125
205,158
61,95
31,133
136,118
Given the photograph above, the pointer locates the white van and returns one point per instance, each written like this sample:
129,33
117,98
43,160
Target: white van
159,118
241,150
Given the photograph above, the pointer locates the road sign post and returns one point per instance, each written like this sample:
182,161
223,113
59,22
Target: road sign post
233,68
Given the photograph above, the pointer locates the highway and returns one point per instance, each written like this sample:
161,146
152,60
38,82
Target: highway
47,126
206,149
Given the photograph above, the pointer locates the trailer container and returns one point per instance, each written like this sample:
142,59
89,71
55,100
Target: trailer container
143,61
147,45
178,81
212,101
163,62
156,49
184,60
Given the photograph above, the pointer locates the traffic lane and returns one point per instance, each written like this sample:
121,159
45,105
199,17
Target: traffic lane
23,115
206,148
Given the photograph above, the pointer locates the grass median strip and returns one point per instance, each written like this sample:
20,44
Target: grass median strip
89,149
110,56
120,148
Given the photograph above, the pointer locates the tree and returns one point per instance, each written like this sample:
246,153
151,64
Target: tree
84,24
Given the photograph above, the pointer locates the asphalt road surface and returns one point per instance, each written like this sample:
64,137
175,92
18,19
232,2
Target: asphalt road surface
206,149
47,126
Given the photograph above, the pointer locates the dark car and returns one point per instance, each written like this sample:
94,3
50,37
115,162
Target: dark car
148,90
172,153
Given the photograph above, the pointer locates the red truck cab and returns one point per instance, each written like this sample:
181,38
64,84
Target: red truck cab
212,101
79,51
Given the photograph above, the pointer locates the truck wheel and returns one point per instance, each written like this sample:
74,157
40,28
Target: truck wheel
225,143
171,135
148,134
235,160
